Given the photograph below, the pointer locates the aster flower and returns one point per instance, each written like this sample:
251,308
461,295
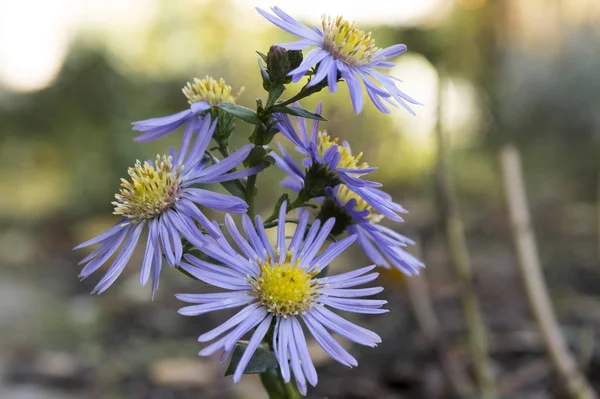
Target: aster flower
202,95
279,287
358,204
324,155
161,197
382,245
346,50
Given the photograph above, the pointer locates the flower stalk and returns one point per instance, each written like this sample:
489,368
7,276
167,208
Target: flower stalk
461,262
535,287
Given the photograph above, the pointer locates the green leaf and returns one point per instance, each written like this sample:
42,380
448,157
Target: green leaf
265,76
235,187
262,359
270,160
256,156
262,55
243,113
271,132
274,93
297,111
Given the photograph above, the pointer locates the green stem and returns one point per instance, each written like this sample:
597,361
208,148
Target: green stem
298,202
250,187
273,384
460,260
291,390
277,388
303,93
224,150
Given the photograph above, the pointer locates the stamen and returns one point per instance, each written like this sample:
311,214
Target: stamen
344,41
153,189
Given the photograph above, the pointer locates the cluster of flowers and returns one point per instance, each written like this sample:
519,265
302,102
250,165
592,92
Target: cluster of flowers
282,286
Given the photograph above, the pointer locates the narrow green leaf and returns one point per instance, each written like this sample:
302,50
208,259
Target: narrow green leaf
275,91
262,359
265,76
262,55
243,113
235,187
256,156
297,111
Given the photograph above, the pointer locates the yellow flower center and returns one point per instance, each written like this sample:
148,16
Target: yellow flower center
209,90
152,190
346,42
347,160
344,195
285,289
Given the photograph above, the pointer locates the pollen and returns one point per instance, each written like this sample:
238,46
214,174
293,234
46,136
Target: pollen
209,90
344,41
344,195
285,289
347,160
153,189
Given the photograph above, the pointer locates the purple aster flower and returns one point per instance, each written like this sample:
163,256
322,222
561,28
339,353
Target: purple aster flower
346,50
202,95
161,197
322,153
279,287
357,201
381,244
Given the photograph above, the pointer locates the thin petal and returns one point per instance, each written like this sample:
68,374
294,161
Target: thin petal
256,339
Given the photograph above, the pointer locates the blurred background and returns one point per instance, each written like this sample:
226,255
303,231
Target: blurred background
75,74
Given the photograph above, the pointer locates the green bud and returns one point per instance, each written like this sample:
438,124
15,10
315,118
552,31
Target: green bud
295,57
280,62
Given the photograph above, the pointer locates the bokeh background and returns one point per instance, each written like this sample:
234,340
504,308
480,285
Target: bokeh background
74,74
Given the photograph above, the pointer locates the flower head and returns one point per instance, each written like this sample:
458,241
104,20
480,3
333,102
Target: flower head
326,158
344,49
202,95
209,90
161,196
358,204
280,286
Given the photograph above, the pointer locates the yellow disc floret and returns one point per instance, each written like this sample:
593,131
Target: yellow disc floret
285,289
152,190
344,195
209,90
344,41
347,160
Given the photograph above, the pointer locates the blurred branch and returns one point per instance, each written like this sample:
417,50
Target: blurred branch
418,293
598,213
535,287
461,262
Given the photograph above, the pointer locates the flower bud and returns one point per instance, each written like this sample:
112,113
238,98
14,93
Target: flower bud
280,62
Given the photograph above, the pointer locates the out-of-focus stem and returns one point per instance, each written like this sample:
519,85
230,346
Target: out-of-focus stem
461,263
598,214
418,293
533,280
